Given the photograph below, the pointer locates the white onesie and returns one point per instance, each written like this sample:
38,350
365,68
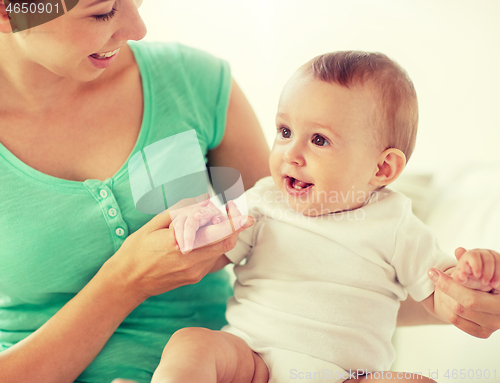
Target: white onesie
318,297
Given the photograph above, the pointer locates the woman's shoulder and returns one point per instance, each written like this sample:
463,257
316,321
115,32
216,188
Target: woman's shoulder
163,55
186,88
171,65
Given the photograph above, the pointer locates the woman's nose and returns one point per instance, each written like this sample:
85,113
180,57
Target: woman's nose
294,155
132,25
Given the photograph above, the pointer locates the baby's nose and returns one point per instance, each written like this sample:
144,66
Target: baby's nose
294,156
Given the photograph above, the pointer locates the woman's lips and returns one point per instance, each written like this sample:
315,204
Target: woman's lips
103,63
3,11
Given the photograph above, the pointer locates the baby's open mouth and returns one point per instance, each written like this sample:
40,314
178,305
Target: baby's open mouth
294,183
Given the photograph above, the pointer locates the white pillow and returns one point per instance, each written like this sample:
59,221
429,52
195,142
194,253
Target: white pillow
467,211
464,210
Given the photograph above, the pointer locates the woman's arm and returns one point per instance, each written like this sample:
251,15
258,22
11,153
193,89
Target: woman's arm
475,312
146,264
243,146
413,313
66,344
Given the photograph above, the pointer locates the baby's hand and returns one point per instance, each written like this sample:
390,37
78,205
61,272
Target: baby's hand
187,220
477,269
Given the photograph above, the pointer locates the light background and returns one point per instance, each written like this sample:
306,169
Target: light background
450,48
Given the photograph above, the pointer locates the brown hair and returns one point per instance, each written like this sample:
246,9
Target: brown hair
396,118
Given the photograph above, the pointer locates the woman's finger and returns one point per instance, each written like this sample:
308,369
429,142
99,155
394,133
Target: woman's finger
468,326
159,221
187,202
472,299
179,230
233,213
476,323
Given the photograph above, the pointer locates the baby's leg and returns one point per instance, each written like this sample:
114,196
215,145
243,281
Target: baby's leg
195,355
391,377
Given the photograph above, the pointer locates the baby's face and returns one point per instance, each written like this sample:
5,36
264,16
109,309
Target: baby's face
324,155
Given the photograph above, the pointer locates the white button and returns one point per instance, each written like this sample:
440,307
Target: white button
112,212
119,232
103,193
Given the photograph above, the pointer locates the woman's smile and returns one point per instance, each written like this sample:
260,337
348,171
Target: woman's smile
104,62
105,55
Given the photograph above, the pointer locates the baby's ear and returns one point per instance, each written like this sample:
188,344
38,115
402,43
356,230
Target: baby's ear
390,164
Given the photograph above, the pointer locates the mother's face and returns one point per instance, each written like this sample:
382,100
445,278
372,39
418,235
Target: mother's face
64,44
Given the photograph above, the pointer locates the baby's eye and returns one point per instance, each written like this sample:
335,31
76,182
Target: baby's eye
320,140
285,132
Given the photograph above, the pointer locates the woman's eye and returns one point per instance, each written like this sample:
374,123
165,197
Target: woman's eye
285,132
105,17
320,140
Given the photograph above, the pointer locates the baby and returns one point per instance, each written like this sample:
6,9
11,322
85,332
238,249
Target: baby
333,250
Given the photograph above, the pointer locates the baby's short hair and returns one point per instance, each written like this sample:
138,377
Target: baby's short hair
396,116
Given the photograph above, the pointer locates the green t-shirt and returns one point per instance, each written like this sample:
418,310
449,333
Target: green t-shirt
55,234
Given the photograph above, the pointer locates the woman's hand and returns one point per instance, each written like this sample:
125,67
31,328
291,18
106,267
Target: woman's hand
474,312
149,263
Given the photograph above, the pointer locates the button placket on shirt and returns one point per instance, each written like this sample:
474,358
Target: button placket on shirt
111,211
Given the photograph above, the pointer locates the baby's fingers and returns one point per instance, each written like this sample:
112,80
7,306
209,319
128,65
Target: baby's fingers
460,276
204,215
475,261
191,226
463,271
459,251
217,233
495,281
216,219
488,266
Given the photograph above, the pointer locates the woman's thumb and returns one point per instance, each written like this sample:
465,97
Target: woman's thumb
159,221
